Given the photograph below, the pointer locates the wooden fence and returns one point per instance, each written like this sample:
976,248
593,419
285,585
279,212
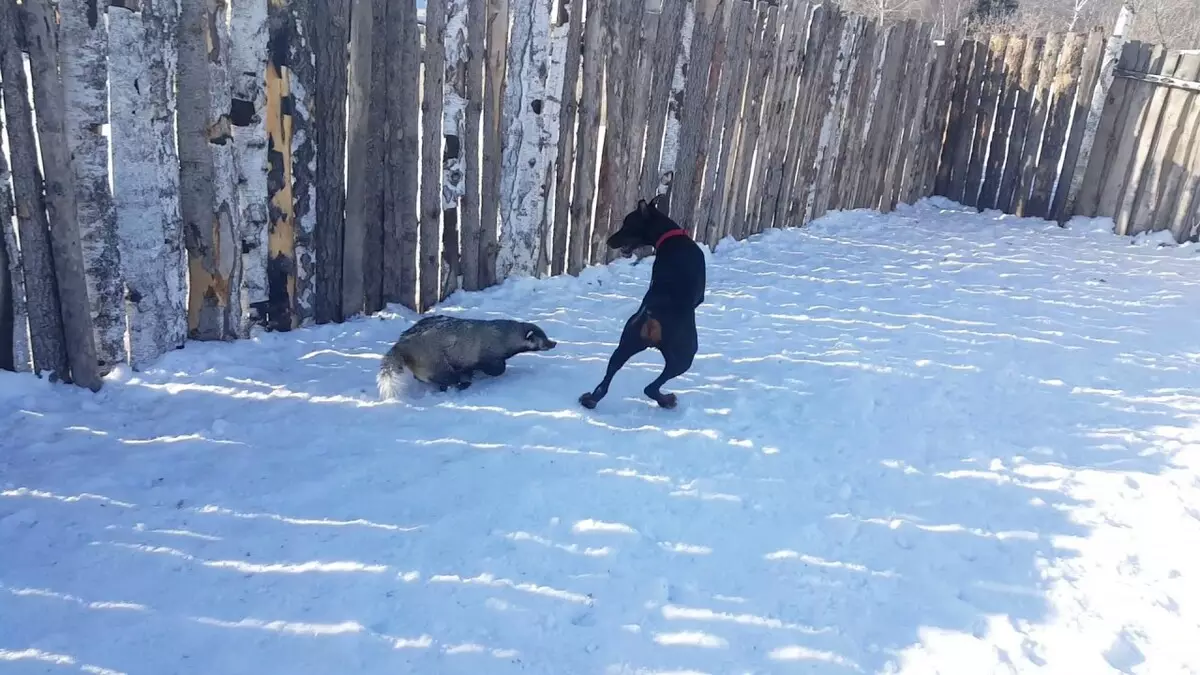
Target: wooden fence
1045,126
329,158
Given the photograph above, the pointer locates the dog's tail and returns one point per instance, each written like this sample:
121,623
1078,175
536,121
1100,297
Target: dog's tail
390,376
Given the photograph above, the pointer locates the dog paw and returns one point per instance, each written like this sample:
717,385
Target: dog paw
667,401
462,385
588,401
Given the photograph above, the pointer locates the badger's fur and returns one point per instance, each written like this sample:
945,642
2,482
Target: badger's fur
446,351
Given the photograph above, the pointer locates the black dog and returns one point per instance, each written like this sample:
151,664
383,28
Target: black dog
666,319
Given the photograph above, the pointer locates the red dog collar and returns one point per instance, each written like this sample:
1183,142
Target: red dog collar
677,232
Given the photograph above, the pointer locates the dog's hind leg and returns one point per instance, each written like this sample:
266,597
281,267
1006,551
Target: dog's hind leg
631,345
676,365
452,378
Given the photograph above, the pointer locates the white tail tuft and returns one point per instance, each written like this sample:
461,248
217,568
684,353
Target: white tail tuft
390,382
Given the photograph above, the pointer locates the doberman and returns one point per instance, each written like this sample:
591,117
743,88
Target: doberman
666,319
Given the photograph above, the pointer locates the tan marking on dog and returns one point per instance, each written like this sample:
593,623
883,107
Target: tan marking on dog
652,331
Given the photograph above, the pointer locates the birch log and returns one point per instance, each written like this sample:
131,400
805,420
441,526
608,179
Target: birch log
521,197
303,17
142,70
330,31
50,102
14,340
207,177
85,84
247,114
454,133
469,219
695,118
37,258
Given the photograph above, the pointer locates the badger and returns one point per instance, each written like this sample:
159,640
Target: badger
446,351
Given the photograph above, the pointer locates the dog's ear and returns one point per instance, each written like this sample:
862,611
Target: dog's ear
642,207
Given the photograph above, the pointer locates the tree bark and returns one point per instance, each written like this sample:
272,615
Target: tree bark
41,288
207,178
49,99
455,135
14,322
247,112
330,36
358,153
431,152
470,223
302,77
400,197
521,190
85,81
375,164
493,135
142,70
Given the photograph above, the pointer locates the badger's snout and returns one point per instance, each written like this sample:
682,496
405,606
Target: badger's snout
550,344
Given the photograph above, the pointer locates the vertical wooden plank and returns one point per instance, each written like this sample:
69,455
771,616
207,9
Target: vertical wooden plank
642,75
1185,111
799,29
1143,174
879,139
49,100
1089,75
494,79
303,87
1112,122
281,239
1022,110
955,120
720,147
566,138
84,36
1013,56
1066,83
1038,110
1171,134
471,141
330,36
934,118
523,161
840,114
861,105
590,101
374,165
454,110
612,202
431,153
145,165
400,225
360,201
696,116
916,78
804,46
761,77
14,320
1121,178
732,124
668,49
1184,218
33,229
829,128
963,142
247,114
671,125
985,114
1095,108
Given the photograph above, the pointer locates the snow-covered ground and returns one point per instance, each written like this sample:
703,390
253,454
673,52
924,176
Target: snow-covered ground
929,442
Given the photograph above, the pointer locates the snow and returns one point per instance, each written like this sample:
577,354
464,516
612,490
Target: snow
932,441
